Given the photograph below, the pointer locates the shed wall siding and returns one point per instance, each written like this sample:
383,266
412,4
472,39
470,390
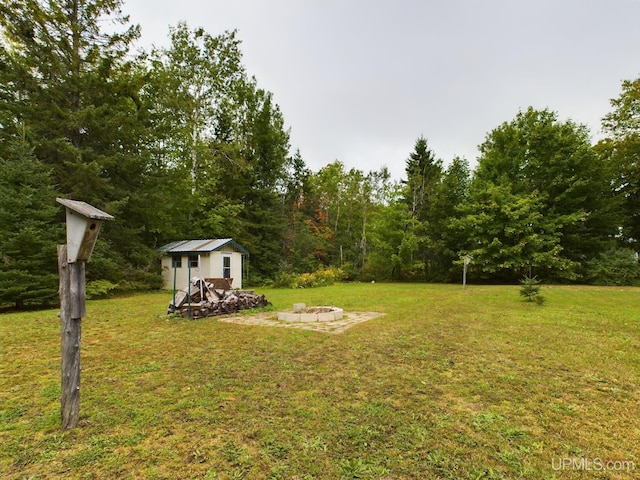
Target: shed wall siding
210,266
236,266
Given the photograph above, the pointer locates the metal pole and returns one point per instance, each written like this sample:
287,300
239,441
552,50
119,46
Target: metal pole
201,280
175,268
467,261
464,275
189,289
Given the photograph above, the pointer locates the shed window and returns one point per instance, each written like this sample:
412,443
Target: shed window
193,261
226,266
176,262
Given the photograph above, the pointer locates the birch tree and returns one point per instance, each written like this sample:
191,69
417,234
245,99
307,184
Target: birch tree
193,82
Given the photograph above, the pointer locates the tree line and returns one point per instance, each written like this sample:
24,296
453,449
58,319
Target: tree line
181,142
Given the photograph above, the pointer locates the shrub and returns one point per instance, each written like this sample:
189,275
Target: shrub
100,289
319,278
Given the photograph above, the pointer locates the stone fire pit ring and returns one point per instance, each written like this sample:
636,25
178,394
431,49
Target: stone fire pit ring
302,313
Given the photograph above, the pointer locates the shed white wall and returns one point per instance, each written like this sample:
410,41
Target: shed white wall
236,266
182,273
210,266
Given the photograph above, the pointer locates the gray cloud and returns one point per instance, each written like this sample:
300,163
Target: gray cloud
359,81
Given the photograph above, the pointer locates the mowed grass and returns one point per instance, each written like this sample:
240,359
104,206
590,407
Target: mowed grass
449,384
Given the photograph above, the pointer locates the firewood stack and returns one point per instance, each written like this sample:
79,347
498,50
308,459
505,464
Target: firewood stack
205,300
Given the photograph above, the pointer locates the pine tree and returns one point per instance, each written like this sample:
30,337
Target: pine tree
424,174
72,91
30,228
67,85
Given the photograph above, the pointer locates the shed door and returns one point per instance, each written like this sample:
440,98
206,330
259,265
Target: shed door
226,266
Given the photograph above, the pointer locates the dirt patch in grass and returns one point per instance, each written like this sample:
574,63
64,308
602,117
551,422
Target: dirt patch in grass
269,319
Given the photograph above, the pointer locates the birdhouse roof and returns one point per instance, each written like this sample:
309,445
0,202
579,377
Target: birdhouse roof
85,209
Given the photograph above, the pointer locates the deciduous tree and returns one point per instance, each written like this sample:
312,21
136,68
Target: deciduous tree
446,241
550,168
509,235
621,151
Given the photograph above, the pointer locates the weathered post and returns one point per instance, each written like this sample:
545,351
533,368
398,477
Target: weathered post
467,261
83,226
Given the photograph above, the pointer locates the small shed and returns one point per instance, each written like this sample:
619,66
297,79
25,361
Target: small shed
212,258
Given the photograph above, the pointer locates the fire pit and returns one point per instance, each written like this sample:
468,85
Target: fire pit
302,313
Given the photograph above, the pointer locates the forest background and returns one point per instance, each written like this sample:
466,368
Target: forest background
182,143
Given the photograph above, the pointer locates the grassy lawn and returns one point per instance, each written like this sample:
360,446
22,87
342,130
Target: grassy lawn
449,384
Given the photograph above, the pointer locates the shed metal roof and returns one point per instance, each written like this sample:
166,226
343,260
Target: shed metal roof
200,246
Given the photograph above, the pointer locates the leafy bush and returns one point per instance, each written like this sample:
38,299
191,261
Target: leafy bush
319,278
100,289
616,266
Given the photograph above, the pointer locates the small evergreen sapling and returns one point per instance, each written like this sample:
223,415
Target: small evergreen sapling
531,289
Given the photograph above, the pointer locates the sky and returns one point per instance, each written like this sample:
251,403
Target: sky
360,81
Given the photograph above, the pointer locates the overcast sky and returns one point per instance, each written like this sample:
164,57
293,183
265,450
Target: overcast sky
360,80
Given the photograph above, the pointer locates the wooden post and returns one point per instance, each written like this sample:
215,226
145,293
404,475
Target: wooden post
72,309
83,227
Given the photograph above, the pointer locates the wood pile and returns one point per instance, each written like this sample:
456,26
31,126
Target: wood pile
203,299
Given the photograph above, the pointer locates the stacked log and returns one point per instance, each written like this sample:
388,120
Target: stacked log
202,299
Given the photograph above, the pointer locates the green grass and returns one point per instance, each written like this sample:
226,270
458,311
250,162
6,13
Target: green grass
450,384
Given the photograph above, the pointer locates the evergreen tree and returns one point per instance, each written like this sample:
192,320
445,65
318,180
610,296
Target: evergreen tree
424,173
30,228
74,93
67,84
265,152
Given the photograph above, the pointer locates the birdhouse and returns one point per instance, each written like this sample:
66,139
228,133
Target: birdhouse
83,226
